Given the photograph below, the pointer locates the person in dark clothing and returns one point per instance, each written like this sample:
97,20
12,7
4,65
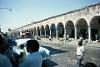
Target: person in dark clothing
34,59
7,51
4,60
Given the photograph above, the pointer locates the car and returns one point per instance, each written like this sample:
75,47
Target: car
21,48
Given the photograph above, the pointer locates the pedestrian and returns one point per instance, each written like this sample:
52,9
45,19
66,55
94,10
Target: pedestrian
4,60
80,53
34,59
81,39
50,38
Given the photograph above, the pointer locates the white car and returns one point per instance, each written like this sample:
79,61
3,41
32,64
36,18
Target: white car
18,48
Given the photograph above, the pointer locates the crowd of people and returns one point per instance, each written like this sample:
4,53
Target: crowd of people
10,59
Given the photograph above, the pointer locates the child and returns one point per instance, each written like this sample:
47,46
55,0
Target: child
80,53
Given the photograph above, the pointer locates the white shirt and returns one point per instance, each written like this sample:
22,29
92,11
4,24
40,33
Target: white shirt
32,60
18,50
80,50
4,61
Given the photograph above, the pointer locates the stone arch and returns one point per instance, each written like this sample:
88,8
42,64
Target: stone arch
95,27
47,30
82,28
53,30
60,29
69,29
42,31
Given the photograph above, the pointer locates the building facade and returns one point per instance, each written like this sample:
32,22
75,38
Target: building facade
83,22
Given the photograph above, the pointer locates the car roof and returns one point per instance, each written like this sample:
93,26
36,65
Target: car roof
21,41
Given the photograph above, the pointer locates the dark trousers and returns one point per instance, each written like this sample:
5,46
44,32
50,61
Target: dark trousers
79,59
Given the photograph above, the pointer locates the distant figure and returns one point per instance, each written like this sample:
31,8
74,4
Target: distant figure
4,60
80,53
81,39
89,64
50,38
34,59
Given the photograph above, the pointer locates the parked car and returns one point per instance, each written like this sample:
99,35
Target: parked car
21,48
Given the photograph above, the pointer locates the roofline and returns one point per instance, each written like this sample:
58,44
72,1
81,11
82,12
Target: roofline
76,10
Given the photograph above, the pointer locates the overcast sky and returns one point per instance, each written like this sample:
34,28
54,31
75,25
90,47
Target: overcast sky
25,11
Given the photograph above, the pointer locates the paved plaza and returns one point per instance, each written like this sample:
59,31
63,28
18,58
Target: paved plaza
64,53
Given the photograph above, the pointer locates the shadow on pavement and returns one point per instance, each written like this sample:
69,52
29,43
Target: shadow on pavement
54,51
89,64
48,63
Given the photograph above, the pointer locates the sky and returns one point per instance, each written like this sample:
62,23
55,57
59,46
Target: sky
24,12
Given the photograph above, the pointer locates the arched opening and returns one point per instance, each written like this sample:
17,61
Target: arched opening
53,30
60,29
38,31
69,29
47,31
42,31
82,28
95,28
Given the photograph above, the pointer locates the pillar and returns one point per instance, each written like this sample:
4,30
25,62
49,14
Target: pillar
50,33
45,33
33,34
36,33
65,33
89,33
56,34
20,34
75,32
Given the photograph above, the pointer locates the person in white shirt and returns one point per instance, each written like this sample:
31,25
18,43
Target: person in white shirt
34,59
80,53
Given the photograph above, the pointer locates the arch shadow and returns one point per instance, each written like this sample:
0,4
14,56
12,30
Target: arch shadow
90,64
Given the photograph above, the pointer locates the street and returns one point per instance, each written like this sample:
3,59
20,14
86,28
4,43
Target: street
65,55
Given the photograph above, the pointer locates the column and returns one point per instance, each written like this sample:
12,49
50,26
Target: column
56,34
75,32
45,33
36,33
33,33
89,33
65,33
50,33
20,34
